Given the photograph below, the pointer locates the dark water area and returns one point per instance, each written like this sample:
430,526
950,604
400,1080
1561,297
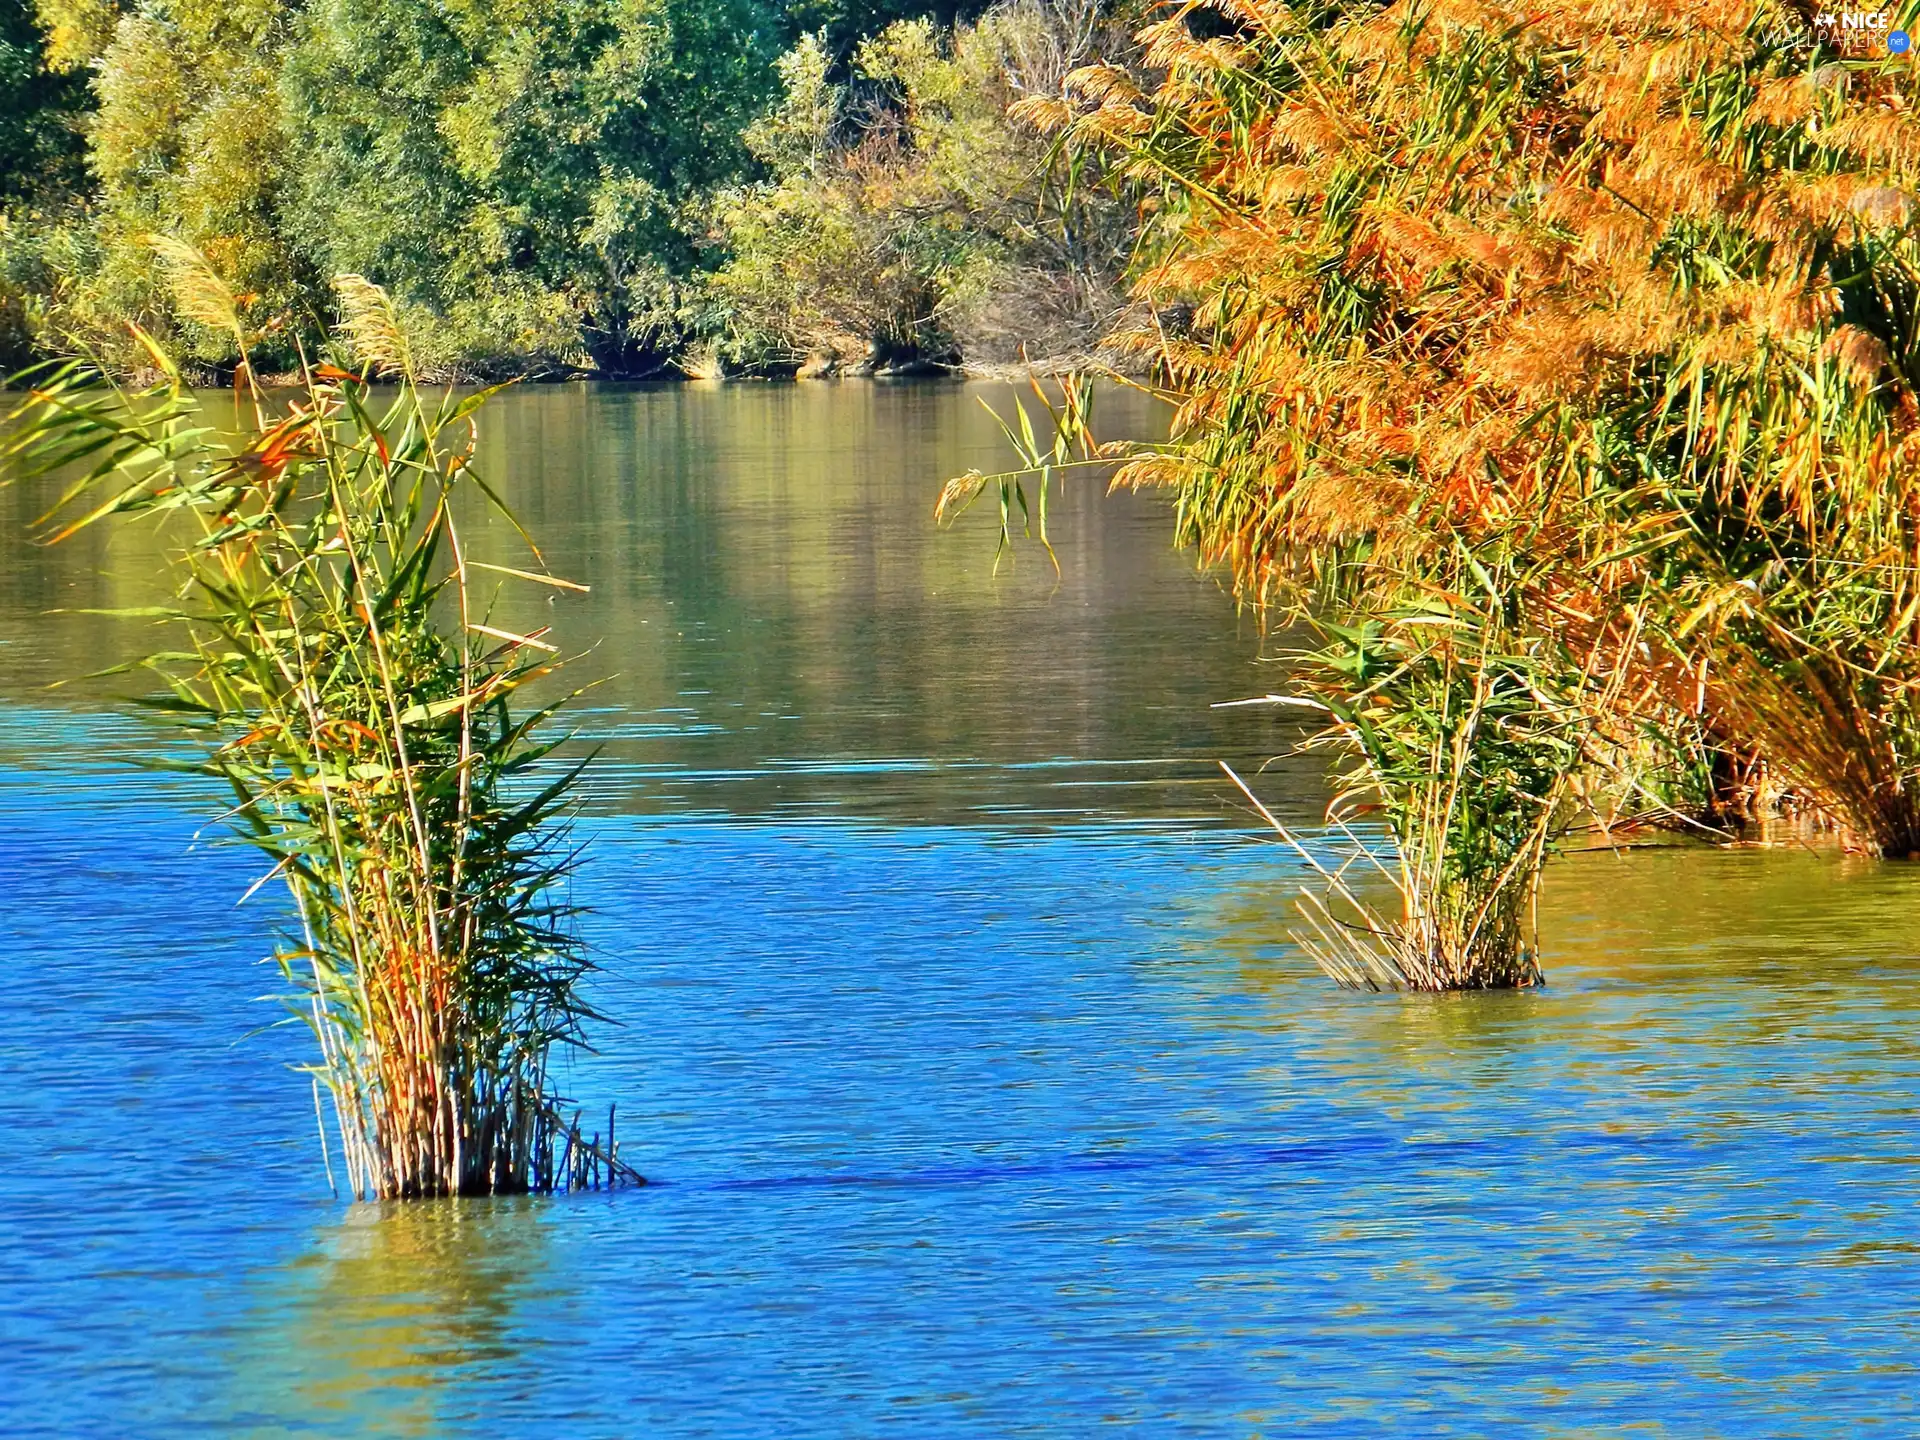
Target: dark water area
952,1011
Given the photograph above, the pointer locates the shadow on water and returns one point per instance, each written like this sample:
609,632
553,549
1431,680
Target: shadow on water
1383,1150
1193,1157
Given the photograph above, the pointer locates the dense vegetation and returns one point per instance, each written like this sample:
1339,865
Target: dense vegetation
906,218
1556,365
542,185
1560,365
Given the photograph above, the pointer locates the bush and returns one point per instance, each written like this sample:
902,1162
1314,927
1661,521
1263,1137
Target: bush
343,685
909,220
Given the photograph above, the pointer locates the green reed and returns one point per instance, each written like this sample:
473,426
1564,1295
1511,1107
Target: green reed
1461,736
1062,443
342,676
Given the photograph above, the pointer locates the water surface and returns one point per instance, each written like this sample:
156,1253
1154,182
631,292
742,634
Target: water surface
955,1017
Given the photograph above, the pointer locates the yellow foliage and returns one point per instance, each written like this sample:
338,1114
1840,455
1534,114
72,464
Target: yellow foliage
1631,282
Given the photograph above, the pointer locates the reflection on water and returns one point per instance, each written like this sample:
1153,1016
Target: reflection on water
781,628
960,1028
395,1302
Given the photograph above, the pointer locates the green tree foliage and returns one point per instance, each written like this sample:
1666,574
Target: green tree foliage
907,219
524,175
41,165
532,181
186,140
539,158
40,145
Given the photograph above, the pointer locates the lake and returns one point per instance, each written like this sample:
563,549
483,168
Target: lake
952,1013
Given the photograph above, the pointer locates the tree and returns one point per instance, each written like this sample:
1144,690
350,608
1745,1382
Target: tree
907,219
40,140
540,159
42,173
530,179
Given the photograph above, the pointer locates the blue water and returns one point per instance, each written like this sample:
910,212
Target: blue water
957,1132
981,1089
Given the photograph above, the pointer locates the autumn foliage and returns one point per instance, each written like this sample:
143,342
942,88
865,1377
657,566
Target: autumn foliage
1591,322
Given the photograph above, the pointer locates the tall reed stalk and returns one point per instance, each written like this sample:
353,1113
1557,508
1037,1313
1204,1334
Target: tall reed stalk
345,682
1648,275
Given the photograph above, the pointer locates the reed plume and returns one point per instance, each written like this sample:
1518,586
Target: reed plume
371,327
1620,301
1633,286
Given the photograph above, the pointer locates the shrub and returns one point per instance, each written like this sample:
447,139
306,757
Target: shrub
907,220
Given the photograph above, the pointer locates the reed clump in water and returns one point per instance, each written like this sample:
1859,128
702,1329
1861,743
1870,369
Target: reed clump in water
348,686
1456,742
1464,733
